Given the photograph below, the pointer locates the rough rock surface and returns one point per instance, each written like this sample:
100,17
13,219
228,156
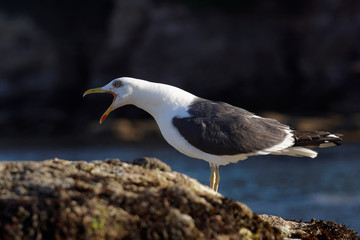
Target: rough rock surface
59,199
315,230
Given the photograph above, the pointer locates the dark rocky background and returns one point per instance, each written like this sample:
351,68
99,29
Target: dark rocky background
300,57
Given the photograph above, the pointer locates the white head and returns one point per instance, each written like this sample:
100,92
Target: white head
152,97
120,88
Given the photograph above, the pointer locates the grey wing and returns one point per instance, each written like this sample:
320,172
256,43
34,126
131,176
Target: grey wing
222,129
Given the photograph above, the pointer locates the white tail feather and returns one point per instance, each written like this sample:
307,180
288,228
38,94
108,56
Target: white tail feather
297,152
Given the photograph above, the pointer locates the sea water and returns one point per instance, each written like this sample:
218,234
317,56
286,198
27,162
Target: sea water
327,187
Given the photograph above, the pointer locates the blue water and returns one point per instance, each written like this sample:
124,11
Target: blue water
327,187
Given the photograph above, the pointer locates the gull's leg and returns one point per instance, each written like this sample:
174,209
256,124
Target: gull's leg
217,178
212,176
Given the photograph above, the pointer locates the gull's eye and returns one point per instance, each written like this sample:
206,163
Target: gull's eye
116,84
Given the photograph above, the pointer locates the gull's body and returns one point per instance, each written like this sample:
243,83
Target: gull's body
212,131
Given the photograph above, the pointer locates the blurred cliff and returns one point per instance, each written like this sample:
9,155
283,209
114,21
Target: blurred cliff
298,58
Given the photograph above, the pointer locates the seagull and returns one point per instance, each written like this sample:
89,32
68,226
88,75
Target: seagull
216,132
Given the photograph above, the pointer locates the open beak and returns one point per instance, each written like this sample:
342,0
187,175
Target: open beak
99,90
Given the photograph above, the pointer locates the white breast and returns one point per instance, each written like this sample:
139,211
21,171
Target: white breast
164,102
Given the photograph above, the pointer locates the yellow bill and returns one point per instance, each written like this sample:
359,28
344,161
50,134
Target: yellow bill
100,90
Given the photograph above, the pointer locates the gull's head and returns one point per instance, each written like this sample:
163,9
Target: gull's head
120,88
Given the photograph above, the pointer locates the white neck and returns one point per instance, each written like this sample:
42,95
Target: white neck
156,98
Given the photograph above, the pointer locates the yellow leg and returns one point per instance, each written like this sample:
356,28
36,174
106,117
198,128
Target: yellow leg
217,179
212,177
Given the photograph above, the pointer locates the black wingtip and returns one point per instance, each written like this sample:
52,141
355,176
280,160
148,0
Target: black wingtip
314,139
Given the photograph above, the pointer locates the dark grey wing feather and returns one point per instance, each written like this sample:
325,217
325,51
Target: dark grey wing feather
221,129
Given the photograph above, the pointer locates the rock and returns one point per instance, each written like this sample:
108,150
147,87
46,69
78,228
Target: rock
151,163
316,229
58,199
